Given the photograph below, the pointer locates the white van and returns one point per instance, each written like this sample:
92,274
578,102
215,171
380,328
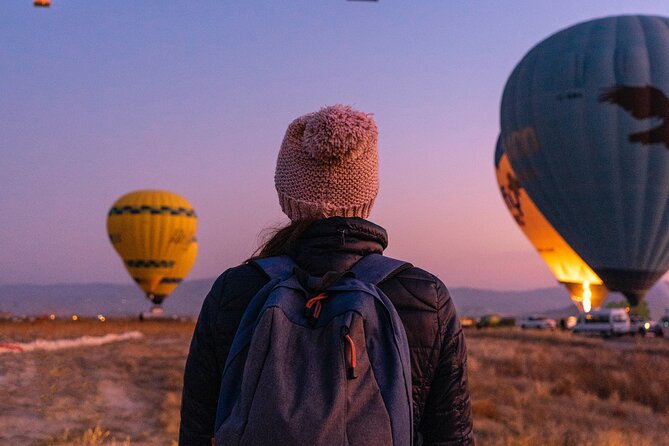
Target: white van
612,322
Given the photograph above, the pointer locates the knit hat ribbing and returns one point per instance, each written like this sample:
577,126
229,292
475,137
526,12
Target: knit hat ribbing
328,165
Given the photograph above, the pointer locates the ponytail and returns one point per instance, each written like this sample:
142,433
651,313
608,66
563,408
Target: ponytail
281,241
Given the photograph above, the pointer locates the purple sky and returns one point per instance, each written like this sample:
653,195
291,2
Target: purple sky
101,98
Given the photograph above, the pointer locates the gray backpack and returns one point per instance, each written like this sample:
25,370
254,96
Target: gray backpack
318,362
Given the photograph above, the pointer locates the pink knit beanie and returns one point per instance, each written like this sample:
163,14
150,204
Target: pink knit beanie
328,165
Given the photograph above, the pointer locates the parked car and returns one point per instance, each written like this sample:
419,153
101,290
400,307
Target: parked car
611,322
642,327
663,326
567,323
467,322
653,327
538,322
495,320
638,325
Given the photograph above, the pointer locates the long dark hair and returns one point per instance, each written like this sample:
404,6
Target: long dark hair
281,240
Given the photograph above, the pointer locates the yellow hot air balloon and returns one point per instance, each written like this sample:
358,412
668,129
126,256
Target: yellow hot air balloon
178,272
154,233
584,286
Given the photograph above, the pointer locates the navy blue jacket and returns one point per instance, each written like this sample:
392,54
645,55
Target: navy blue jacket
442,409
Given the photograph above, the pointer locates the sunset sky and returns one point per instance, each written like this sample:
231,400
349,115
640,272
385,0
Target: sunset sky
101,98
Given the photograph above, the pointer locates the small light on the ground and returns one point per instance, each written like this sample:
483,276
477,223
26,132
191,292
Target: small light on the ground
101,318
75,317
52,317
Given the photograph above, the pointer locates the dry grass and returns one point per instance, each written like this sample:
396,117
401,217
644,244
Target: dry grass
116,394
91,437
528,388
559,389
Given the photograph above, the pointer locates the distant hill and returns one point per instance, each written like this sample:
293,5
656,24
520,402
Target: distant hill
91,299
553,302
122,300
476,302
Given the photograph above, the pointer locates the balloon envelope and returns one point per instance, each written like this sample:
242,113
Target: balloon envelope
585,287
154,234
584,121
178,272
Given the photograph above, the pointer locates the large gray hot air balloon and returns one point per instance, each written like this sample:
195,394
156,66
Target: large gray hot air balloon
585,123
585,288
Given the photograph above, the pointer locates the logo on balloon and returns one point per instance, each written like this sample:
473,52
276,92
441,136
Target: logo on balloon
643,102
511,195
523,142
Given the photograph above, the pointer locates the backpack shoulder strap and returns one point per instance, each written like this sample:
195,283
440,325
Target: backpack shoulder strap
376,268
279,267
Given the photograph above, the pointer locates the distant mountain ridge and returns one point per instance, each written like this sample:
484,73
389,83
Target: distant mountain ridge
90,299
122,300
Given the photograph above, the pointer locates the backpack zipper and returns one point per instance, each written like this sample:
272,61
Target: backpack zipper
351,360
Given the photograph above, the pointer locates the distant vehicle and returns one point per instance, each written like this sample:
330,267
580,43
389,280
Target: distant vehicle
538,322
652,327
607,323
156,313
662,327
637,325
467,322
641,326
495,320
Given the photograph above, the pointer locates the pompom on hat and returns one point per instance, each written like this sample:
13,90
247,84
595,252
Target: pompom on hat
328,165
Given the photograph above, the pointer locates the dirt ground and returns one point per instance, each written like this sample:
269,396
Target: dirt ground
125,393
528,388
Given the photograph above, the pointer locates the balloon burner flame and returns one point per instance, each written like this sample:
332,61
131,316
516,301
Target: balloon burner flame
587,297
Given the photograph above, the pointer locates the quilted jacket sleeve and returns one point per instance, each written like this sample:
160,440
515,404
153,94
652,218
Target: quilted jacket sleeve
447,417
202,379
216,326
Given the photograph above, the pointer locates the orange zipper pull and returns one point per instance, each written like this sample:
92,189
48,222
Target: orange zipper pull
313,308
351,369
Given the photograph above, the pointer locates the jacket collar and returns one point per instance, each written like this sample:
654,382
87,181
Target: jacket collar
337,243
